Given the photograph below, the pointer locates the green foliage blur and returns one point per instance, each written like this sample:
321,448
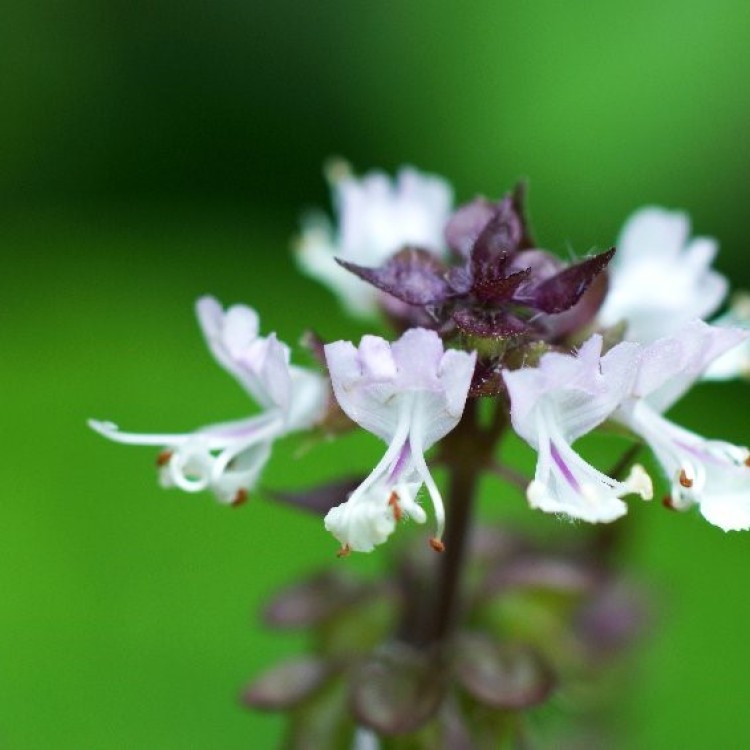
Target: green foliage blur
151,152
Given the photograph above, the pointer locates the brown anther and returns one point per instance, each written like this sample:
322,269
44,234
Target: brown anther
668,503
685,480
240,498
398,514
345,551
747,461
436,544
163,459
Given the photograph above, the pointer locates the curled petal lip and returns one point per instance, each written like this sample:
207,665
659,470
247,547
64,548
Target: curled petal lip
228,457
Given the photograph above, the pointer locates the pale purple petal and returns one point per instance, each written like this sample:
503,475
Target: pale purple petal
575,387
669,366
417,355
259,364
371,383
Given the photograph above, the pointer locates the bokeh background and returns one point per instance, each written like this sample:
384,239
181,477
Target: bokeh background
154,151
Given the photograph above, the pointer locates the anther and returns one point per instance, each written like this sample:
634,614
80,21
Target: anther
747,461
436,544
398,514
163,459
345,551
685,480
668,503
240,498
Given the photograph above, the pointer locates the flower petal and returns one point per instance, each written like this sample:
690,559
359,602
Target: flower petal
659,281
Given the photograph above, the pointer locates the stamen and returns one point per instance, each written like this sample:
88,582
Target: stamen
437,544
240,498
685,480
668,503
345,551
164,458
747,461
398,513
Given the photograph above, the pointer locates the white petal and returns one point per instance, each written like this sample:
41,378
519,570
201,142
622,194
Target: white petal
710,473
659,281
734,363
564,483
189,467
376,217
316,255
112,431
361,526
729,511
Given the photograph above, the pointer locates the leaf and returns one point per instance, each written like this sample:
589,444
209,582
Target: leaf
493,286
519,205
397,689
564,289
287,685
548,573
499,239
580,315
500,675
612,619
319,499
313,601
413,275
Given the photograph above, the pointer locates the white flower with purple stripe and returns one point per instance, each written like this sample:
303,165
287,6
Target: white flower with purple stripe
710,473
410,394
376,217
228,458
557,402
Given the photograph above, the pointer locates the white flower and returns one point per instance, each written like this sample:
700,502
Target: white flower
559,401
734,363
710,473
228,458
410,394
659,279
376,217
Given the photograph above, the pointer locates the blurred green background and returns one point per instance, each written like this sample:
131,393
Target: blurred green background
151,152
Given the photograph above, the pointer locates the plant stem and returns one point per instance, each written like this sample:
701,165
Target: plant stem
463,485
467,452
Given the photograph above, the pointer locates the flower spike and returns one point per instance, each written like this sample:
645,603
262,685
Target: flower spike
410,394
228,458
